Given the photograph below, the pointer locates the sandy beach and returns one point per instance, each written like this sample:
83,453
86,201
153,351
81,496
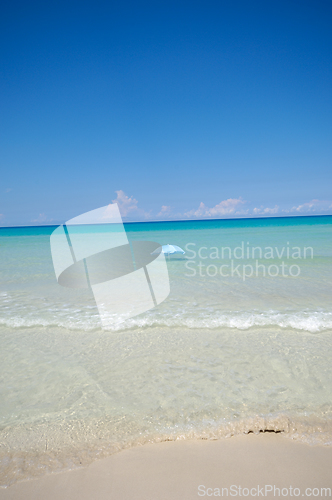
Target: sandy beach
251,465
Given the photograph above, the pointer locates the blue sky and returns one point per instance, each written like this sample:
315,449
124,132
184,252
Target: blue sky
173,109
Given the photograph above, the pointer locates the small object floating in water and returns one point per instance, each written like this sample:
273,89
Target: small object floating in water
170,250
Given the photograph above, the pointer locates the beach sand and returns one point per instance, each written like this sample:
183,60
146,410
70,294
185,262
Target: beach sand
176,470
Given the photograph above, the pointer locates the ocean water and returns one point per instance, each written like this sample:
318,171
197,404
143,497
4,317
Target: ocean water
243,343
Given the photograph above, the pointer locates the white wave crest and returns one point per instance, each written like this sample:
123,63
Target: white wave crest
313,321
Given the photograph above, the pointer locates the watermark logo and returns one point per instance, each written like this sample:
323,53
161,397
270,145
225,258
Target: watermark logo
93,251
246,261
267,490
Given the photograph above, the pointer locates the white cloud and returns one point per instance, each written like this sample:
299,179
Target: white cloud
164,211
200,212
232,207
312,206
128,205
265,210
306,207
225,207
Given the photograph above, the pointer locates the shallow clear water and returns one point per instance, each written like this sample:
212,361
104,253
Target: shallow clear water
221,355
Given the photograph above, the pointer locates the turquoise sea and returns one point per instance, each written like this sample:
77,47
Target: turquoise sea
242,343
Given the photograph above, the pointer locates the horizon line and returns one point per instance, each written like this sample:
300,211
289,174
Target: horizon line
181,220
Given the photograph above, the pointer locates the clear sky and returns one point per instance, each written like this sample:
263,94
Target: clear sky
175,109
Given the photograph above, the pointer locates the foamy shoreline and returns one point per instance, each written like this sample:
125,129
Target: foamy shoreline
247,465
